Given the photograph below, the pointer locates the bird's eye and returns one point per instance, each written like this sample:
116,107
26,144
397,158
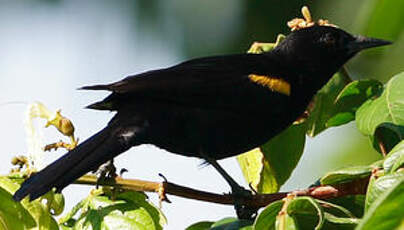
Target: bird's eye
328,39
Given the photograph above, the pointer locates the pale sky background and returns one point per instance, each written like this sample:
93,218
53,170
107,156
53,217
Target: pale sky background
49,50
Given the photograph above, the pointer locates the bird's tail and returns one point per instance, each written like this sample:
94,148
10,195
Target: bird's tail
86,157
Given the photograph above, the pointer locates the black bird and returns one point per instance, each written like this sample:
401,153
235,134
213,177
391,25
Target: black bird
211,107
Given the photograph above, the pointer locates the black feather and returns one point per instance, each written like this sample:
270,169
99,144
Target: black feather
95,87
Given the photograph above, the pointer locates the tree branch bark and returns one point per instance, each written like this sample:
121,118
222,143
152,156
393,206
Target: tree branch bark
355,187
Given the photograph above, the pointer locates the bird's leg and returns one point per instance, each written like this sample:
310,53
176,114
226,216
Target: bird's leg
235,187
238,192
106,172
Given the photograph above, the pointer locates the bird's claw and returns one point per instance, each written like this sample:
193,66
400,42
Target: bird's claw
106,172
243,211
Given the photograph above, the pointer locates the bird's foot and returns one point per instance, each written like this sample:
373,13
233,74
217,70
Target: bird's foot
106,173
240,196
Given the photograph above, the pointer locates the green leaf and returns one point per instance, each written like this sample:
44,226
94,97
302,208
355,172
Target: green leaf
12,214
378,186
308,221
377,164
395,159
339,223
388,108
268,167
346,175
82,205
24,214
340,220
335,209
69,225
300,211
389,134
63,227
203,225
267,218
226,220
285,222
306,206
127,210
386,212
351,98
232,224
335,217
253,169
141,200
55,202
354,203
323,104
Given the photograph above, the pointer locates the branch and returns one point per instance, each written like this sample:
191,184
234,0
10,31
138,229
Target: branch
355,187
381,144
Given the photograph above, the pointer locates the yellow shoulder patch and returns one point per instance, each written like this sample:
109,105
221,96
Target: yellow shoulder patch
274,84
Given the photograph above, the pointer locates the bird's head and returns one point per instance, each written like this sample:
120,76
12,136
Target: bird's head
315,47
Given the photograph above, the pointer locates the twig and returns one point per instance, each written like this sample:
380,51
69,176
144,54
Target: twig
256,201
381,144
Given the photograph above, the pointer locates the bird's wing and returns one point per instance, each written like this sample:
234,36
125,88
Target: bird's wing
193,74
202,82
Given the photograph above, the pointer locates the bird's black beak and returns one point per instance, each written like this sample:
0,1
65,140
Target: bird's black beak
361,43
